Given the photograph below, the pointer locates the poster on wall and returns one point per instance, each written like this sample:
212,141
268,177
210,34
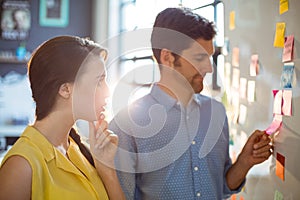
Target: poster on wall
54,13
15,20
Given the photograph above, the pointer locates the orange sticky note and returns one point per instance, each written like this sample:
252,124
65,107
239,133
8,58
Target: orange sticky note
232,20
233,197
279,35
280,162
283,6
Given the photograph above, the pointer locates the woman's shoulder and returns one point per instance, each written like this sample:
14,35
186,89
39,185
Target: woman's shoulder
15,175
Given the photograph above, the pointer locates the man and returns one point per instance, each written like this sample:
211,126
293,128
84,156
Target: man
174,142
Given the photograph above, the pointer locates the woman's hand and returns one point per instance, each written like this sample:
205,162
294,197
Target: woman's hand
103,142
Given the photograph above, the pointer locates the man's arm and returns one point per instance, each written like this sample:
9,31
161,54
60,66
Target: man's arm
256,150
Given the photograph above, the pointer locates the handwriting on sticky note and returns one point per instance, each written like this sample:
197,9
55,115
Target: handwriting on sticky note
279,35
288,50
280,163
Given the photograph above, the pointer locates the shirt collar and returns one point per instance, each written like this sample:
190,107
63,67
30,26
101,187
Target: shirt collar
164,99
40,141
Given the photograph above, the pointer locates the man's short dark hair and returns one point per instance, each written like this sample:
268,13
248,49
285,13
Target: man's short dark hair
181,20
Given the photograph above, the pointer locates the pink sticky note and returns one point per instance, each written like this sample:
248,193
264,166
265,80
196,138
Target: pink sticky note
277,101
287,102
235,57
288,50
275,125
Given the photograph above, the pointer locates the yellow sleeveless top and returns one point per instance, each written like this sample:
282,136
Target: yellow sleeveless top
53,175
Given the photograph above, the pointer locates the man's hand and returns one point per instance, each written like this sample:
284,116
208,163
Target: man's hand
256,150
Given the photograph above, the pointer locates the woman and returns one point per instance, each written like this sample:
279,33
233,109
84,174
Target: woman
67,77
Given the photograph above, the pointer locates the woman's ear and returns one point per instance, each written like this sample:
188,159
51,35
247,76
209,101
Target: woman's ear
167,58
65,90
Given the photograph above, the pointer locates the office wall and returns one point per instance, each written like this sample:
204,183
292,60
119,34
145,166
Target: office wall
253,33
16,105
80,23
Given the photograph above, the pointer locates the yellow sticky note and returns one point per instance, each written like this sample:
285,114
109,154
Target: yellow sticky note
232,20
279,35
283,6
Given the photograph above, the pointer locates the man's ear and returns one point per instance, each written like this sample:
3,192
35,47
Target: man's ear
167,58
65,90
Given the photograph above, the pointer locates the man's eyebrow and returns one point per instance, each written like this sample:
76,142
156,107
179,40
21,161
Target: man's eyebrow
201,54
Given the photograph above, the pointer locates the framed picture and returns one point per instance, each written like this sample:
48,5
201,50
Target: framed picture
15,20
54,13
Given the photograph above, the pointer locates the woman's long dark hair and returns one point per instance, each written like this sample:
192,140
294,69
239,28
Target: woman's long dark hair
54,63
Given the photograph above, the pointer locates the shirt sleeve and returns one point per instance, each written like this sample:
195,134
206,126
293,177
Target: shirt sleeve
227,192
125,161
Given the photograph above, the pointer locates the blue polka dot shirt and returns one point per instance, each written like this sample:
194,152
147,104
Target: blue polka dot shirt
170,151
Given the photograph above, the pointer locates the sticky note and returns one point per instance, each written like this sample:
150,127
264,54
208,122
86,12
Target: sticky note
254,66
227,69
235,78
232,20
280,163
279,35
251,91
278,195
275,125
287,102
282,102
287,76
235,57
233,197
243,114
277,104
243,88
288,50
283,6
